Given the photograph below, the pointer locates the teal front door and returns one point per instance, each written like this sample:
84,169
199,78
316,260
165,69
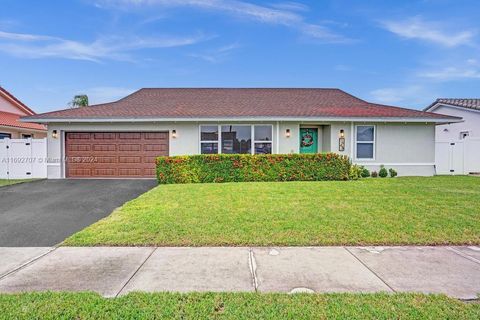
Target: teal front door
308,140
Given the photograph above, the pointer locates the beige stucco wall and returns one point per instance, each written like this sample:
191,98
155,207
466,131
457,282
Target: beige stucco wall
17,133
7,106
409,148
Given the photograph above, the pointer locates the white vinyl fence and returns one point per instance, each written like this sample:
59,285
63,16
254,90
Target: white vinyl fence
23,158
458,157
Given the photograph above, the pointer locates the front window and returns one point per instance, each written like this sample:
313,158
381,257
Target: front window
209,139
263,139
236,139
5,135
365,142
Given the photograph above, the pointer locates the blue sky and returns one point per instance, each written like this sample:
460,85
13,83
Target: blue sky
404,53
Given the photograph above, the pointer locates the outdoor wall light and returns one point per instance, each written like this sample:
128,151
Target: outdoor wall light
174,133
341,141
54,134
287,133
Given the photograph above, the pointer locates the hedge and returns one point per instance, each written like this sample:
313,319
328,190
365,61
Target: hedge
243,168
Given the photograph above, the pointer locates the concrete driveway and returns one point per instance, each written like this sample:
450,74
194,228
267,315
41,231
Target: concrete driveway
43,213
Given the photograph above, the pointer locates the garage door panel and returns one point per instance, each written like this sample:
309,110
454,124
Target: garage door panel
155,147
79,136
105,159
105,172
123,159
114,154
79,172
156,136
104,136
130,135
129,147
79,147
104,147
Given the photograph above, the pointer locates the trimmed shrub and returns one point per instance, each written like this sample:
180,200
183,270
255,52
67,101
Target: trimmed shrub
393,172
374,174
243,167
365,173
355,172
383,173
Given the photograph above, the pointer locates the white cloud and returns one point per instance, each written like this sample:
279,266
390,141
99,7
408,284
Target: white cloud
452,73
285,14
402,96
216,55
458,70
116,48
417,28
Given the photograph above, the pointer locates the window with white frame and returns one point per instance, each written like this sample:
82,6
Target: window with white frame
236,139
365,142
209,139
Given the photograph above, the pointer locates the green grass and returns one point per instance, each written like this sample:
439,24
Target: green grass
5,182
234,306
413,210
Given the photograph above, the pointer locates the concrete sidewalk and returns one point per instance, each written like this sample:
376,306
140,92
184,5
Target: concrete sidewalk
113,271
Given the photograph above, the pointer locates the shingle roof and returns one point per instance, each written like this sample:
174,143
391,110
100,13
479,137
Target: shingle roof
235,103
464,103
12,120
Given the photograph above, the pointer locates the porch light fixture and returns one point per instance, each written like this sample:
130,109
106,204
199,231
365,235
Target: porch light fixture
174,133
54,134
341,141
287,133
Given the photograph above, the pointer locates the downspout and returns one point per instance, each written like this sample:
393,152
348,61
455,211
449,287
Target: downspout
277,147
352,128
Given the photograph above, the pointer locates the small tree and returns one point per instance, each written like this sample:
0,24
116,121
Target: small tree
80,100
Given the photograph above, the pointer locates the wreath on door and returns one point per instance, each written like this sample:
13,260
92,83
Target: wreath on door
307,140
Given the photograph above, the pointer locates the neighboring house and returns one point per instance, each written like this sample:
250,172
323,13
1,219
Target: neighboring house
122,138
457,149
468,109
11,110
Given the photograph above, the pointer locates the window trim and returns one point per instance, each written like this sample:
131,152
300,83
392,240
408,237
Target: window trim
219,141
374,142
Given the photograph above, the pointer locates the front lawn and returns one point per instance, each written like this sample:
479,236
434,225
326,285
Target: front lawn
234,306
413,210
5,182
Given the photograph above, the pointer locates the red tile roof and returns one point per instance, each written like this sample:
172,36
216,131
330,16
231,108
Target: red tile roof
8,119
464,103
236,102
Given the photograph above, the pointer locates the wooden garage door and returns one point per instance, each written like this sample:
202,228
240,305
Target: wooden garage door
114,154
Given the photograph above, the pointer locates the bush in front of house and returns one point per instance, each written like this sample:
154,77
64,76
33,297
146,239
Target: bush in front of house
355,172
243,168
365,173
374,174
383,173
393,172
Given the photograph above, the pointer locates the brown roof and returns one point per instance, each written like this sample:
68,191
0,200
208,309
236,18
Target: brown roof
464,103
8,119
235,103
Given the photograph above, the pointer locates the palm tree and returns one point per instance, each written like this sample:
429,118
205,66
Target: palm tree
80,100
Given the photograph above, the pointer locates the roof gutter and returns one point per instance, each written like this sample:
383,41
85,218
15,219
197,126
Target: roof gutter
218,119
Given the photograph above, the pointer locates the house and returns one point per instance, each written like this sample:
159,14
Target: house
122,138
457,149
11,110
467,109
